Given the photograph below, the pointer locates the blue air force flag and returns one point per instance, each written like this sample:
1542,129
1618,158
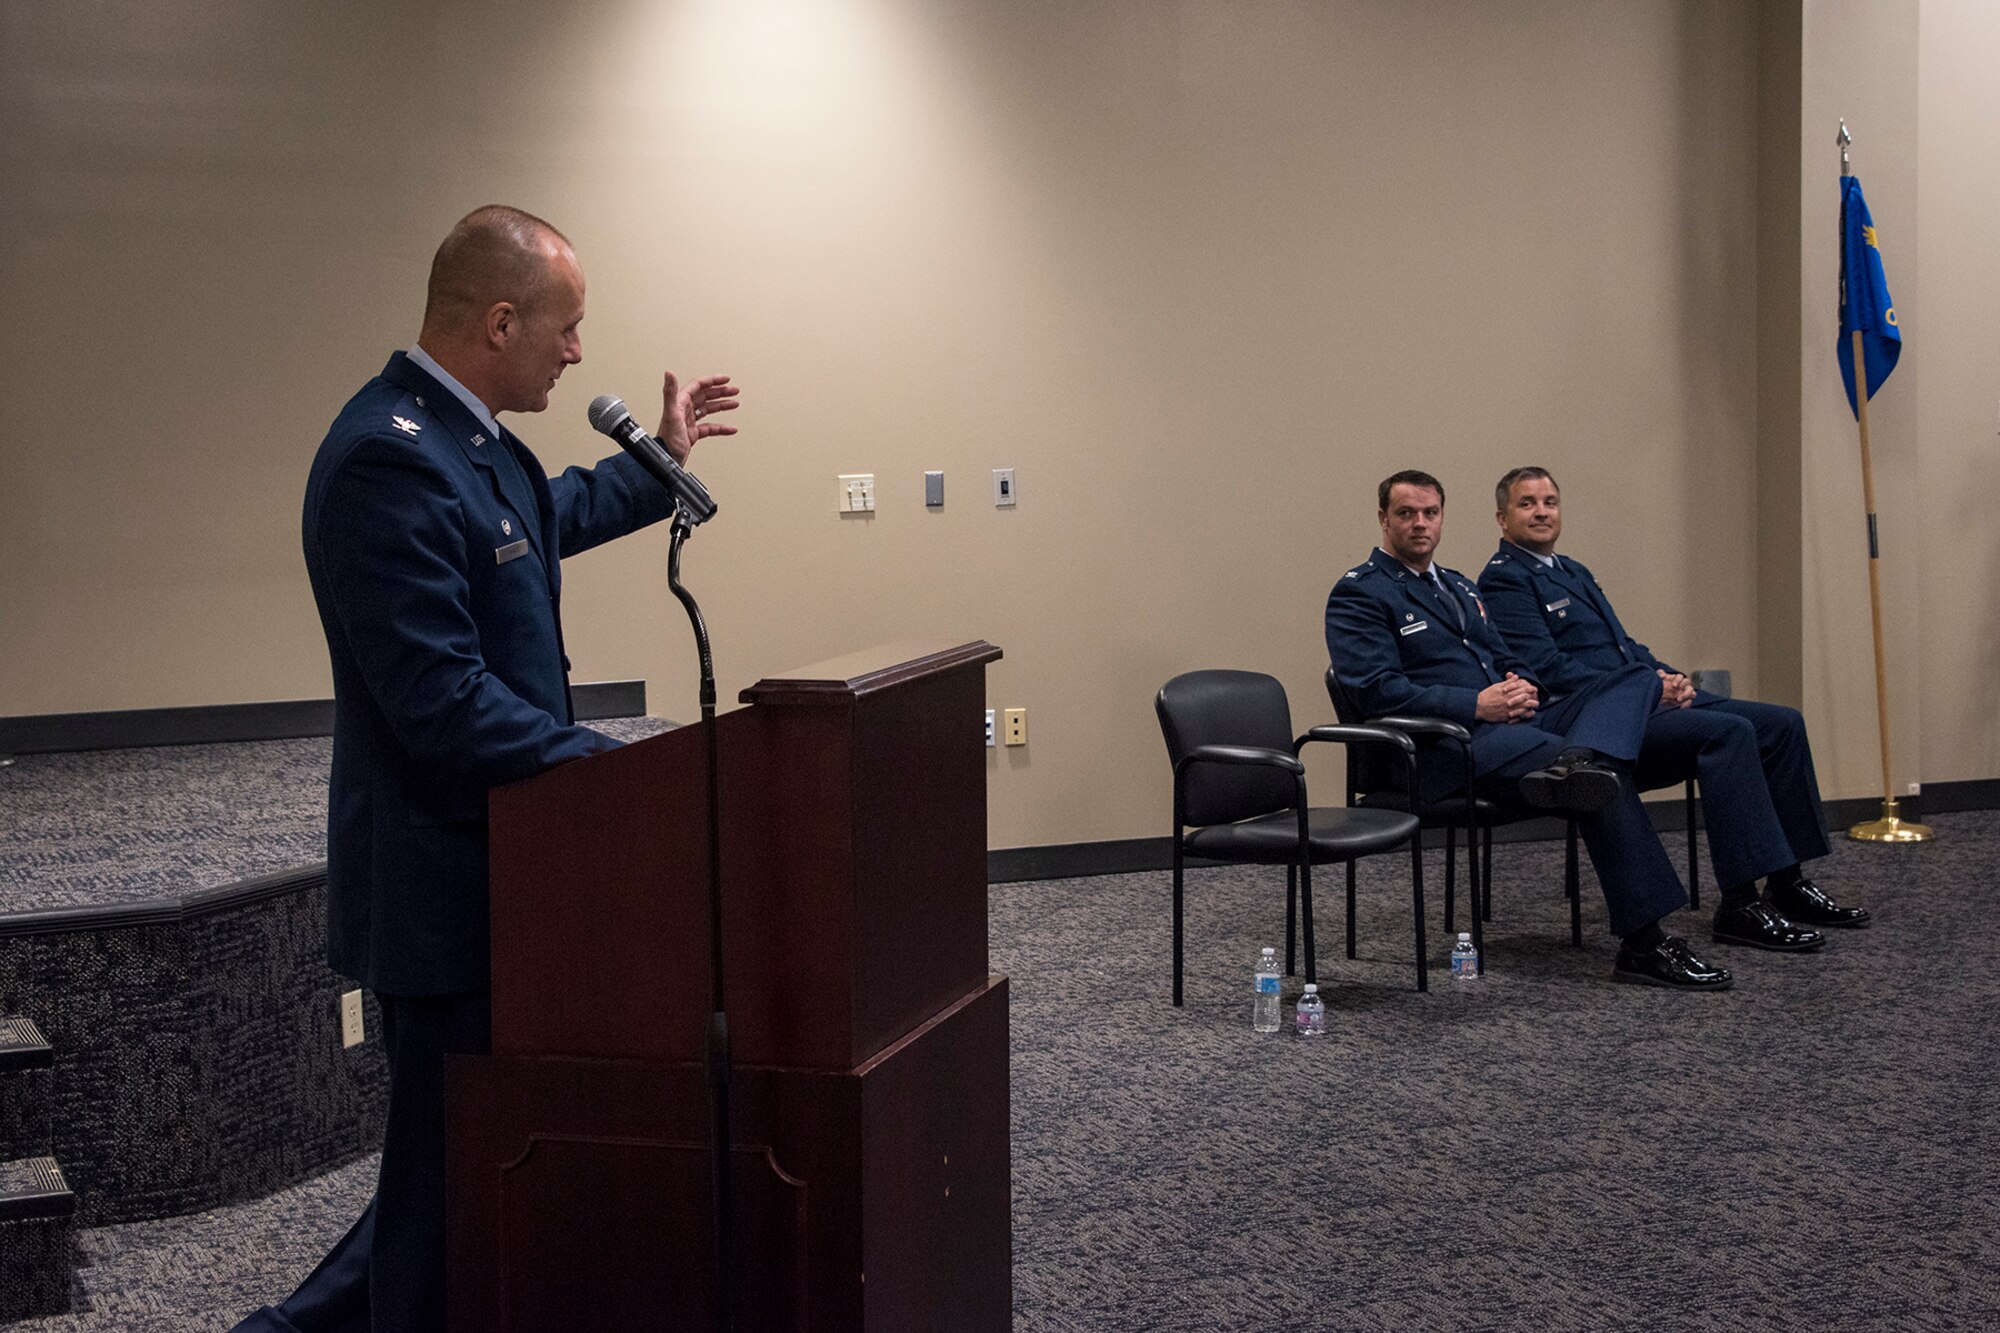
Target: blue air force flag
1864,296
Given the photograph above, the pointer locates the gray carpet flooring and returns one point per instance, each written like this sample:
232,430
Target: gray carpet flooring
95,827
1539,1149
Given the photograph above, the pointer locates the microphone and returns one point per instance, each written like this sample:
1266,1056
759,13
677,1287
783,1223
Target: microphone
609,415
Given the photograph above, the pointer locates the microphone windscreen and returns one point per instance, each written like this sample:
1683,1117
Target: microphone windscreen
605,411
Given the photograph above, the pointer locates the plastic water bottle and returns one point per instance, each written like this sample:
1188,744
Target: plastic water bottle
1264,1016
1464,958
1312,1013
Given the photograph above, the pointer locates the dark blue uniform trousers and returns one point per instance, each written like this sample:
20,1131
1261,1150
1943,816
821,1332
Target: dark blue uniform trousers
387,1273
1759,794
1611,716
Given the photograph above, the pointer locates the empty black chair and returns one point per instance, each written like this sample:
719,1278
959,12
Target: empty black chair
1240,796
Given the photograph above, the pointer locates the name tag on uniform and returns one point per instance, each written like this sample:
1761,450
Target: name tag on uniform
511,551
1412,629
1557,606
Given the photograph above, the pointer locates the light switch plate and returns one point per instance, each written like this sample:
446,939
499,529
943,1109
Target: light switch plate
857,493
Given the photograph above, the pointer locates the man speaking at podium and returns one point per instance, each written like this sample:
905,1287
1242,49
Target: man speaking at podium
431,539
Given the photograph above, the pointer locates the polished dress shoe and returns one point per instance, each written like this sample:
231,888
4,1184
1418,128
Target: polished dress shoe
1580,786
1762,926
1672,964
1807,902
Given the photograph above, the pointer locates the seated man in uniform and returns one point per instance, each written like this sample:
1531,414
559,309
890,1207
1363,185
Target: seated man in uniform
1759,796
1408,637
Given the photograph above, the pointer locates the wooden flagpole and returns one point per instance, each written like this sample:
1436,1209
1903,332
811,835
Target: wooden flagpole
1891,827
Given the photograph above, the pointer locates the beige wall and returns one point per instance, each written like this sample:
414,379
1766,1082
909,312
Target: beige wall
1957,485
1781,331
1201,272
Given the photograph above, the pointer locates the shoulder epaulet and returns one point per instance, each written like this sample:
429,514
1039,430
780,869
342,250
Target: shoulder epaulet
1365,567
1501,559
408,416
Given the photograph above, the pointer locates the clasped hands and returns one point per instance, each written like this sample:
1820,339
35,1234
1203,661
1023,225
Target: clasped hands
1509,700
1514,699
1676,690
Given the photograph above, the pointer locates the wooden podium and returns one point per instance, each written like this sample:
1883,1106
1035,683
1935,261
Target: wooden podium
869,1104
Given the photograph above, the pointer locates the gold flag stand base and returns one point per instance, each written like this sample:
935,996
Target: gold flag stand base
1891,828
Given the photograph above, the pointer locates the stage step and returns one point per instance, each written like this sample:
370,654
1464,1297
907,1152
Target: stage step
37,1238
27,1066
22,1046
34,1187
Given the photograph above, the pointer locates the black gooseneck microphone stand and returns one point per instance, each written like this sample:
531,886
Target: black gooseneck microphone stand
720,1208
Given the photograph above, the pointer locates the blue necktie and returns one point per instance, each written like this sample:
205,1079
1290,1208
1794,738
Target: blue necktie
1451,602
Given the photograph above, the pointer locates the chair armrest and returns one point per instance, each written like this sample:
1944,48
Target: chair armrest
1346,733
1349,733
1429,728
1240,754
1435,731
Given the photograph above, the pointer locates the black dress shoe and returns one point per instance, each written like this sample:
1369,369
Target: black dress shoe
1582,787
1761,926
1808,902
1672,965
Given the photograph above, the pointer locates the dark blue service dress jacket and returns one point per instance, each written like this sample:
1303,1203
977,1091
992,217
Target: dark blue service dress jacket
1398,647
1754,760
1559,620
433,552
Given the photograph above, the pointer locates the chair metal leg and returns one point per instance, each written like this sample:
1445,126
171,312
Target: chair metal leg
1694,857
1450,872
1291,920
1177,918
1350,909
1473,889
1486,872
1306,910
1573,882
1417,895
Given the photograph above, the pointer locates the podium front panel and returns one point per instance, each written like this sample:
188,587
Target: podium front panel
854,876
877,1198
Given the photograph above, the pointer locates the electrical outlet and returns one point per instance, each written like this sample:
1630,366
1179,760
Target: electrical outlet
989,728
1017,726
350,1018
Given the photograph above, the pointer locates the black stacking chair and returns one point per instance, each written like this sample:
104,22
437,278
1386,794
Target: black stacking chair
1372,785
1240,796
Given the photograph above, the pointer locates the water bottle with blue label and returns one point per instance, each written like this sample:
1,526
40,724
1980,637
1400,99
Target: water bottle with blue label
1464,958
1264,1014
